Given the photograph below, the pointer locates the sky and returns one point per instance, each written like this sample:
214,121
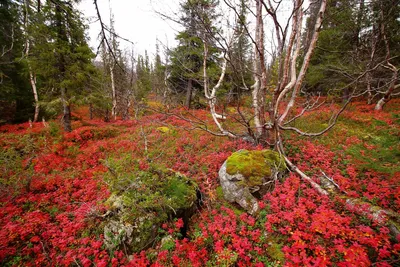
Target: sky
135,20
139,21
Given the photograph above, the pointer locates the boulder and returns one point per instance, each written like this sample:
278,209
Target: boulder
147,200
246,173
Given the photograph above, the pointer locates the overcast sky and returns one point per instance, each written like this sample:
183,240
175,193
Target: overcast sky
138,21
135,20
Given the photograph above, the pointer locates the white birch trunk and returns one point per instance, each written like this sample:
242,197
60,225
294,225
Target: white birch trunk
259,45
211,95
291,60
32,79
306,61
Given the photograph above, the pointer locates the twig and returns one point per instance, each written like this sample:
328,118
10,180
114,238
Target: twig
172,209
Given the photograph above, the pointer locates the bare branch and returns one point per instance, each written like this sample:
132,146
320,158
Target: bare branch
104,37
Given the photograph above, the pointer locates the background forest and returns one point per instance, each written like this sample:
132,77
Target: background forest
316,81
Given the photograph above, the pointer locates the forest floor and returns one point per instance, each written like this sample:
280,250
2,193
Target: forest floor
52,193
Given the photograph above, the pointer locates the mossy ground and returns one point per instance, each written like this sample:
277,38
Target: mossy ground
373,141
254,165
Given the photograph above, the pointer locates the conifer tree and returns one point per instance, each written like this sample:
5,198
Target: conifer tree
143,72
15,94
198,19
239,76
158,73
61,56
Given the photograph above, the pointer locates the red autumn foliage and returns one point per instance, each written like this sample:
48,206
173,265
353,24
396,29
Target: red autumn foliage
51,221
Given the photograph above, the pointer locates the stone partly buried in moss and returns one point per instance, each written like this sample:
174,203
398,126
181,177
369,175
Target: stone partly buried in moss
246,172
149,199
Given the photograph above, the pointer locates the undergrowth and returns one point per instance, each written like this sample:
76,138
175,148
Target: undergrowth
54,188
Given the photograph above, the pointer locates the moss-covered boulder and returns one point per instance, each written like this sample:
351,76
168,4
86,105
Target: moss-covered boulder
141,201
247,172
255,166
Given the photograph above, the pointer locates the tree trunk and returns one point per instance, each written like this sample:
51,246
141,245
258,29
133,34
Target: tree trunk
369,89
259,76
125,115
114,95
392,87
306,62
32,79
61,34
384,99
189,90
66,111
106,116
35,94
346,95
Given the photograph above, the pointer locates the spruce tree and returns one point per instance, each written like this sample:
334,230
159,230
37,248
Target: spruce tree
239,75
16,101
61,56
198,19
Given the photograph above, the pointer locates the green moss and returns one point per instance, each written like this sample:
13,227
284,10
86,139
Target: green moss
180,191
168,243
147,198
254,165
274,250
219,193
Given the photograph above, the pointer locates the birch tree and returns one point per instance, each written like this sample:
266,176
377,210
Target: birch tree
32,78
388,64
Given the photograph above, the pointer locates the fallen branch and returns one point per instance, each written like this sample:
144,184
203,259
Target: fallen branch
332,181
379,215
303,176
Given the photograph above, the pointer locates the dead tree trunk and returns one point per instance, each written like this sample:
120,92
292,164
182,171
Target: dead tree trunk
113,93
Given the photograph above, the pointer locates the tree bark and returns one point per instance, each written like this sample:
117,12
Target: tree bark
388,94
189,90
66,111
32,79
259,75
61,34
113,92
211,94
386,97
112,63
306,60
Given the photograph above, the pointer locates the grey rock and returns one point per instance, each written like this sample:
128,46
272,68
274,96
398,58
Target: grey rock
237,192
